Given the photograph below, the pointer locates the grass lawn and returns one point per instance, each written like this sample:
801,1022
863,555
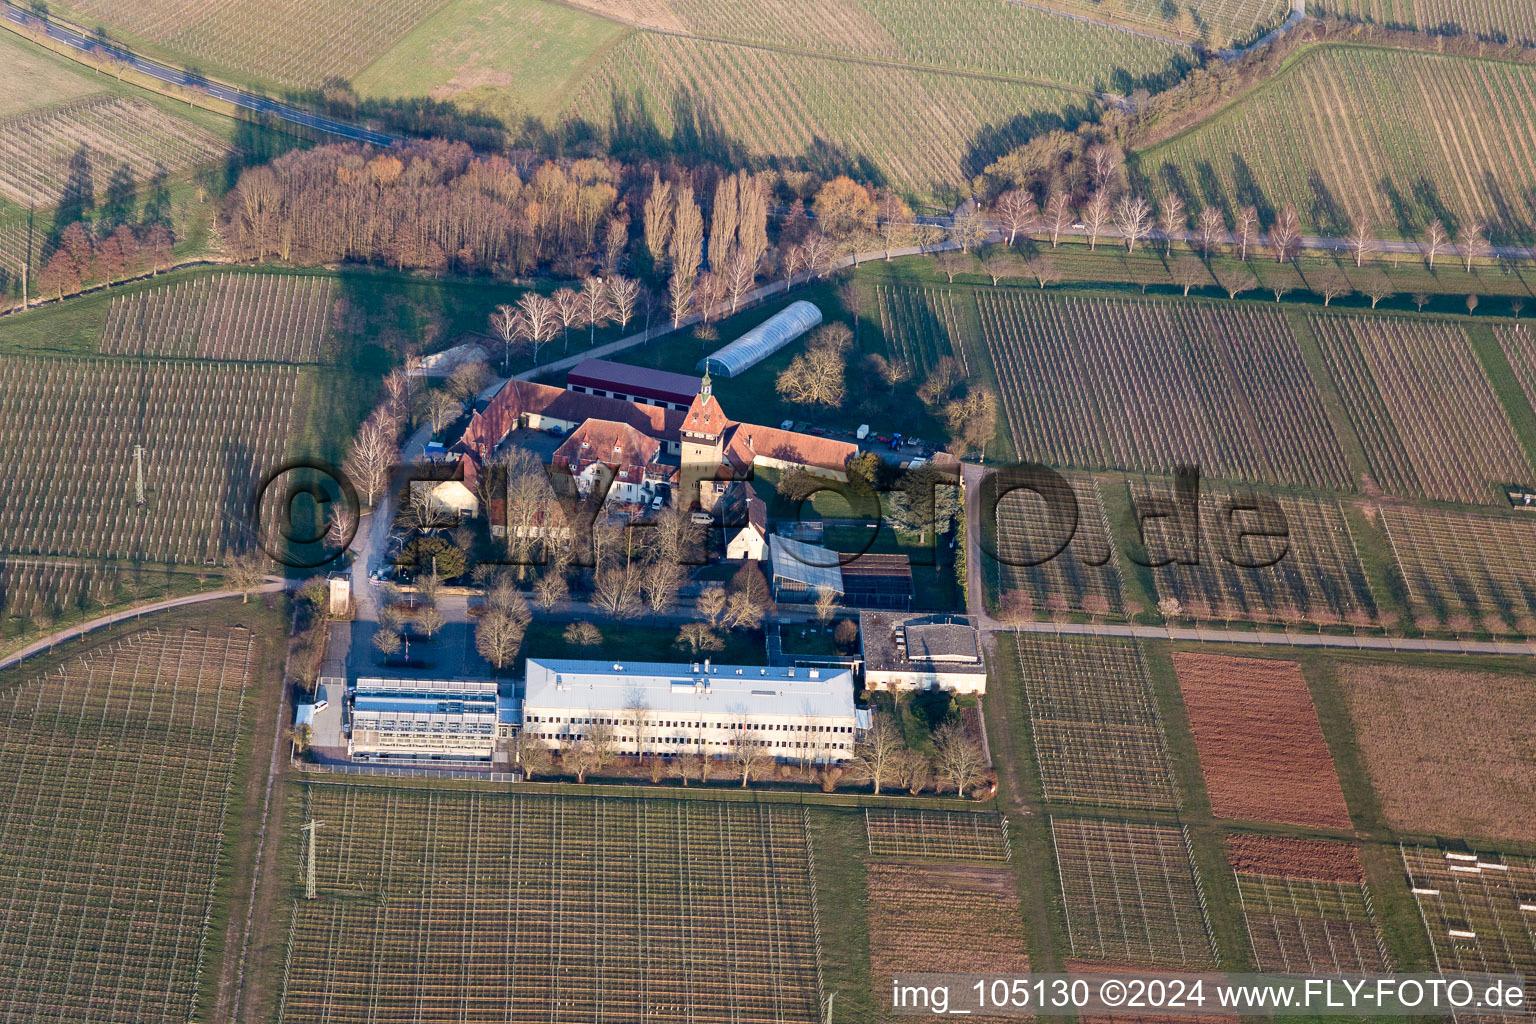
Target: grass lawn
501,56
36,78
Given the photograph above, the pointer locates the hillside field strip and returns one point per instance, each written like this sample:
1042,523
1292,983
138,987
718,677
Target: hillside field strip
943,835
921,327
943,917
479,906
1494,20
1466,565
1132,893
1097,733
916,128
1447,752
285,42
1260,743
1477,907
1306,906
115,779
1249,564
1399,136
1148,386
209,432
246,317
1429,420
83,147
1082,577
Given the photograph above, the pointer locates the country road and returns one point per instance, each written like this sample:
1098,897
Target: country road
83,40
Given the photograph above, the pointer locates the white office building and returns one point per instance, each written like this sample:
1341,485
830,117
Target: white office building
663,708
427,720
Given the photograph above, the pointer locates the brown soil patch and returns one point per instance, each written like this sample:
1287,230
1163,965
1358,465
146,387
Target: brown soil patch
1261,747
1280,857
947,918
1448,752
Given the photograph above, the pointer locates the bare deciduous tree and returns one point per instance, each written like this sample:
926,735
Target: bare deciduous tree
582,633
1014,212
658,222
596,309
443,408
1246,231
1096,216
372,456
1332,284
1211,226
1236,280
1378,286
710,604
1471,242
875,756
499,636
624,291
696,638
1188,272
568,311
1058,215
1043,269
538,320
1171,217
1435,239
533,756
952,262
246,573
1285,234
1362,241
747,751
826,603
1133,216
958,758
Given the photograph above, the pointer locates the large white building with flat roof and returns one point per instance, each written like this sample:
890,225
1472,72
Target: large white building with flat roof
665,708
427,719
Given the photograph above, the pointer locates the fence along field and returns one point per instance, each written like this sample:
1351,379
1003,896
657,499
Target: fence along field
1022,42
952,835
1084,577
115,775
1261,746
913,127
1477,908
274,318
1318,579
1494,20
943,917
1399,136
81,146
1146,386
1462,566
209,431
478,906
1097,733
1306,906
1447,751
1427,417
1131,892
289,42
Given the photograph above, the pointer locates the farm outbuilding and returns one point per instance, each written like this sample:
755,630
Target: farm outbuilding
763,340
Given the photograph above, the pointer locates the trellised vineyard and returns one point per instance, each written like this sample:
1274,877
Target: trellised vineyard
77,148
51,587
115,776
475,906
921,327
1083,577
1429,420
723,99
1310,574
1151,385
290,42
1021,42
1097,733
1131,893
1457,565
1398,136
209,433
225,316
942,835
1494,20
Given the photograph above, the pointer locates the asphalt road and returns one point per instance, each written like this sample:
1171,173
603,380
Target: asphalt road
82,40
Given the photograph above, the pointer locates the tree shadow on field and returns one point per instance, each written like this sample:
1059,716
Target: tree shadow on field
994,140
1402,210
76,200
1428,197
1248,191
1211,191
1325,210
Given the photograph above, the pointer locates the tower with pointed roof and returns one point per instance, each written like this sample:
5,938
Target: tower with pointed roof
703,436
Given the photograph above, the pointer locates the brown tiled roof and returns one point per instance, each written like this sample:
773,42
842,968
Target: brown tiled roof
706,417
613,444
748,441
520,398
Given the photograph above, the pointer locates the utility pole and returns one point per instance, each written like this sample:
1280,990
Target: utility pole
138,475
309,829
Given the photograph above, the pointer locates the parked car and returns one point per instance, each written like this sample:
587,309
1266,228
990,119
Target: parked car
658,501
702,518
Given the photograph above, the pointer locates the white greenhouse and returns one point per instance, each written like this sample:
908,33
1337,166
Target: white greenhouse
763,340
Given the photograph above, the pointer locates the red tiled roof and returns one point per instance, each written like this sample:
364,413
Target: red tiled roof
749,441
706,417
613,444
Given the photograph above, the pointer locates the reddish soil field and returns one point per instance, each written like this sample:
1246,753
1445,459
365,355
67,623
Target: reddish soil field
1294,858
943,917
1261,748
